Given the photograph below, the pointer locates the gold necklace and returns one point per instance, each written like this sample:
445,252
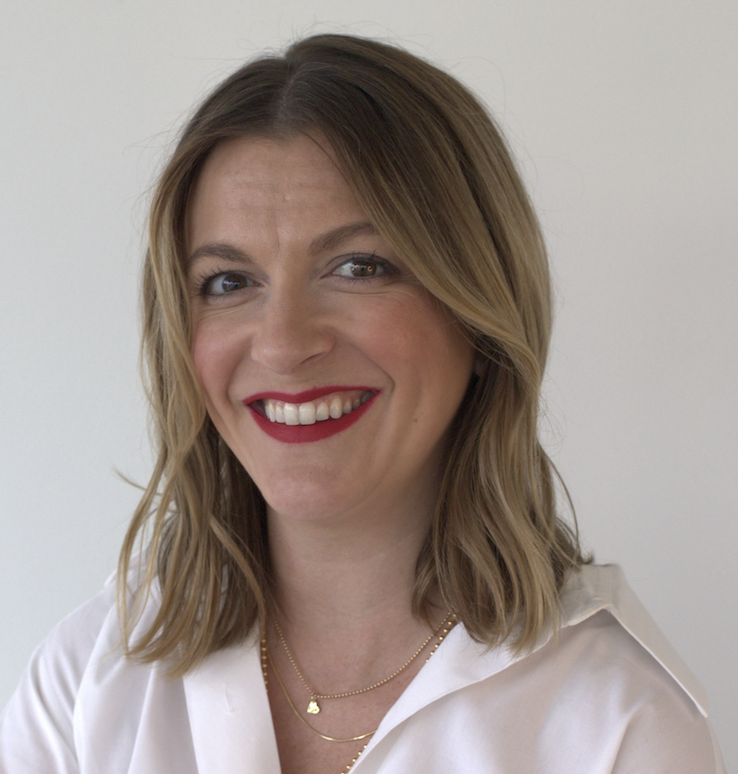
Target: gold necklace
313,708
266,658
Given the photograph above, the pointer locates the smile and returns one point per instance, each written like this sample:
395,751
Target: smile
309,416
332,406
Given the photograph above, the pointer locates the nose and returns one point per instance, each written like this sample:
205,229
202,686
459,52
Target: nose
291,333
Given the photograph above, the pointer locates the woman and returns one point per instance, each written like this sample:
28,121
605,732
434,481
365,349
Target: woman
348,556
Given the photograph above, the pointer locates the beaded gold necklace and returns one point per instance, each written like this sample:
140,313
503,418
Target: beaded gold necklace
313,708
266,661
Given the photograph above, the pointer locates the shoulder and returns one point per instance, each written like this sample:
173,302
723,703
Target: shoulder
610,667
41,725
36,727
605,694
603,588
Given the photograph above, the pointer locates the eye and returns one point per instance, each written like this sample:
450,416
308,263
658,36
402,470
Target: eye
223,283
364,268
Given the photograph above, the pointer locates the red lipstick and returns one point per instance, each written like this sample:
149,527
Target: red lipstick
307,433
306,395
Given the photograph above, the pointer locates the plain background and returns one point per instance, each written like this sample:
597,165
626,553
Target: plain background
623,117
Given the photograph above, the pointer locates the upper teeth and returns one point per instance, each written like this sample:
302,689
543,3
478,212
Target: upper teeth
333,406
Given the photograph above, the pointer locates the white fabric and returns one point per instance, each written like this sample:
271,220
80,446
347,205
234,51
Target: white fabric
606,696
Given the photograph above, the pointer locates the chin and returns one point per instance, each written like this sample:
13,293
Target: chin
310,501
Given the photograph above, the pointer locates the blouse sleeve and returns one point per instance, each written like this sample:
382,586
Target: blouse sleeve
36,727
668,737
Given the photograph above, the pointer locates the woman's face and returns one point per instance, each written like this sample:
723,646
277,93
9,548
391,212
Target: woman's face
327,368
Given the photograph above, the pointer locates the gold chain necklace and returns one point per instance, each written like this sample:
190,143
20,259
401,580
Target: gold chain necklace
266,658
313,708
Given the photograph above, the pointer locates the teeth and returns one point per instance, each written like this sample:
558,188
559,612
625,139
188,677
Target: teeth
291,414
336,410
309,413
306,412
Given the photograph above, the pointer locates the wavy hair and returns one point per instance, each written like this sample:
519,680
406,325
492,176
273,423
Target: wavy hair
434,174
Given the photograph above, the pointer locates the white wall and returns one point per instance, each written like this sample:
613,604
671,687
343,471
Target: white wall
624,117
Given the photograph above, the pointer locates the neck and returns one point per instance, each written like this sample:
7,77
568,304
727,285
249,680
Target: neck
343,586
334,578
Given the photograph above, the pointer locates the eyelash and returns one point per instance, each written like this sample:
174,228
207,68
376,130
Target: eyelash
388,269
204,281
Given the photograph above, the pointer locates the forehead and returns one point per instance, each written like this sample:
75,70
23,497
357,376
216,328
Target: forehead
252,174
266,195
263,159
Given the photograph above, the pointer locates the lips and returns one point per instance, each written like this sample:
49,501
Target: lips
312,415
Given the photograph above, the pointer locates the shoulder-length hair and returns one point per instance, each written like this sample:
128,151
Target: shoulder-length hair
434,175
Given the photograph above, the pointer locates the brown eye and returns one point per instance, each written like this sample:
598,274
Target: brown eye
363,268
225,283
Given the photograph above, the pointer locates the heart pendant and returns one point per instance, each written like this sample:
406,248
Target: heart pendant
313,707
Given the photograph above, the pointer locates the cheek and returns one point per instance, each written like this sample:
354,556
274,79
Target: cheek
436,338
418,341
214,358
387,335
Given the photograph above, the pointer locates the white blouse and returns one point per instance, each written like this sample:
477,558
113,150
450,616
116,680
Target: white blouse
607,695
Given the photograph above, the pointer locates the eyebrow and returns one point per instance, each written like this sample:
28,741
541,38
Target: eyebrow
338,236
323,243
218,250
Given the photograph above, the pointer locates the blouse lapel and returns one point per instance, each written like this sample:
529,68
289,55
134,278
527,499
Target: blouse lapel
230,718
459,662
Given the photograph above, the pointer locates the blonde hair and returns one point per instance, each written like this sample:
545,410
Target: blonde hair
435,177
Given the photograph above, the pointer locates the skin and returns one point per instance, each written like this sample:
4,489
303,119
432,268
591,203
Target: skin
281,310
